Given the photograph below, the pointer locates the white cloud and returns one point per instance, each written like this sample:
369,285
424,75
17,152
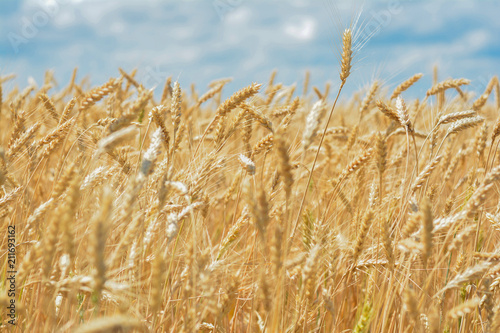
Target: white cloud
65,18
301,27
238,16
477,40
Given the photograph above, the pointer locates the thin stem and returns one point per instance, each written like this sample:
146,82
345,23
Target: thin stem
416,154
441,145
315,160
203,136
489,154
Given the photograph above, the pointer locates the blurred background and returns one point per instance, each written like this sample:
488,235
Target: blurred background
198,41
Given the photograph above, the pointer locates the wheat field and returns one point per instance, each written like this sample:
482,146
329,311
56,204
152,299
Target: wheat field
277,209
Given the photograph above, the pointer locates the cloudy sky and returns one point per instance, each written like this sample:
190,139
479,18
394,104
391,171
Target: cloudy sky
197,41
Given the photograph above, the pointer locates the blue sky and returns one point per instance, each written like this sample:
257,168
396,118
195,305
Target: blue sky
199,41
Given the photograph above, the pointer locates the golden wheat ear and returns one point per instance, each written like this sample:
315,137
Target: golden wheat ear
405,85
345,65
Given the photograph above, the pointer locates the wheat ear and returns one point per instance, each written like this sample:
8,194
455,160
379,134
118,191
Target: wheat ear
234,101
97,94
442,86
405,85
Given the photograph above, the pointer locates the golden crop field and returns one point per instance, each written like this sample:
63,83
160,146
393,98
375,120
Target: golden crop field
274,210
